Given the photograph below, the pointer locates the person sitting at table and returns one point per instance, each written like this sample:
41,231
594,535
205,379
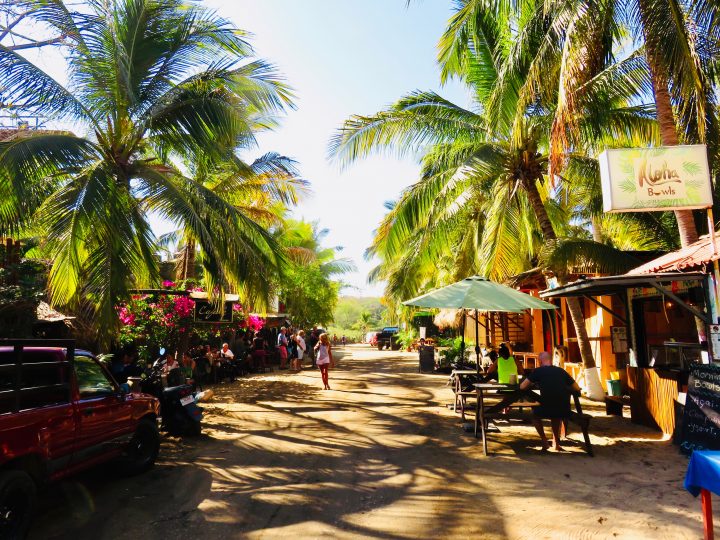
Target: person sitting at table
504,366
556,386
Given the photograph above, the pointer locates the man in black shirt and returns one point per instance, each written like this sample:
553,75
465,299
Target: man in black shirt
556,386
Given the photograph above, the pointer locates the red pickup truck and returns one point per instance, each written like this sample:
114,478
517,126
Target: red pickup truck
60,412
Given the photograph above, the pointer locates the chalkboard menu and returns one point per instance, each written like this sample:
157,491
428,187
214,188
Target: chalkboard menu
701,419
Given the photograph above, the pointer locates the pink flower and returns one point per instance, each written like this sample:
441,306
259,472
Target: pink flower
126,317
255,322
237,307
184,306
168,284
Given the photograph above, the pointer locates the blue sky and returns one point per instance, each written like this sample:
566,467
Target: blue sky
345,57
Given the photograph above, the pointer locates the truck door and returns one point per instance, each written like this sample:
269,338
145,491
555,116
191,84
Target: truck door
104,415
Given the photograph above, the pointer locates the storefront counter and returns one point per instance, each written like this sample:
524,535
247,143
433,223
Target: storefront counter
653,392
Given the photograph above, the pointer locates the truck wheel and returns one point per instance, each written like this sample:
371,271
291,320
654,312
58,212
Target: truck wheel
18,494
143,448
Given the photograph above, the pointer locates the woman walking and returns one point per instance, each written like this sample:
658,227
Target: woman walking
324,358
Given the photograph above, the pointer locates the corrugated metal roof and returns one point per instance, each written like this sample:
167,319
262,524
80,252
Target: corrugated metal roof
692,257
600,286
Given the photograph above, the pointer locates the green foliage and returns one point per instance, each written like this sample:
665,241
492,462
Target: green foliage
22,288
407,337
307,287
452,354
359,313
309,296
22,283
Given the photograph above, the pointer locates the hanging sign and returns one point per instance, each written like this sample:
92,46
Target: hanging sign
653,179
207,312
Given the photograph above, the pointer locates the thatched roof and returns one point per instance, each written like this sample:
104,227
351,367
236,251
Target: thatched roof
448,318
45,313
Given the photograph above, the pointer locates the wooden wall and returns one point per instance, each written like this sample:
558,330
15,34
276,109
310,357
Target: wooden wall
652,397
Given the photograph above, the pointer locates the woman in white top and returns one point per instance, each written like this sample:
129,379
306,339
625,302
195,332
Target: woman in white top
301,348
324,358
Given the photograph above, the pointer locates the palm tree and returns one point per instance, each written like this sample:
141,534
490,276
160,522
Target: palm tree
148,80
262,191
497,157
310,287
673,64
302,241
365,320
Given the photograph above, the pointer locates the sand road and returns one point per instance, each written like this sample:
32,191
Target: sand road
379,456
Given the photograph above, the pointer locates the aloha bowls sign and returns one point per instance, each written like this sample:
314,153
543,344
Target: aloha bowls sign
663,178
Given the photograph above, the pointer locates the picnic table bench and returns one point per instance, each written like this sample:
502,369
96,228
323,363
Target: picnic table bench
510,396
456,378
614,404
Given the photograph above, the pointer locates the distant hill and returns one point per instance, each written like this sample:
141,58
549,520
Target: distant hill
349,308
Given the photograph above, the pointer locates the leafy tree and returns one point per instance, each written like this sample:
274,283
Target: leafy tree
309,296
308,288
365,320
261,191
148,79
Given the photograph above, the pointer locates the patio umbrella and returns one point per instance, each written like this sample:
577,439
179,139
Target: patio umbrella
480,294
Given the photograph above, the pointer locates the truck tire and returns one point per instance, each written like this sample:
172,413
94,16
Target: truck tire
143,448
18,495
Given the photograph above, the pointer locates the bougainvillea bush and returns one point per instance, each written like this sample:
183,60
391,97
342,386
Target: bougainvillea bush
154,321
151,321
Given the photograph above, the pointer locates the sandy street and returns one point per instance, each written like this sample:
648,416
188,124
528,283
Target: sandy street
379,456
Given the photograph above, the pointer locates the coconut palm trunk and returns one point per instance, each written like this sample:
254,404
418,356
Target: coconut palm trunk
593,387
186,265
665,117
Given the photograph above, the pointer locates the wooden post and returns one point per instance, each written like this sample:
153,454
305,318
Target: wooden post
707,514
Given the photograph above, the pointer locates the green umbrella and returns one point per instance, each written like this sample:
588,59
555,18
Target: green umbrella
480,294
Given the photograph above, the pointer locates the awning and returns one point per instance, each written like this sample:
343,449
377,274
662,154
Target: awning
599,286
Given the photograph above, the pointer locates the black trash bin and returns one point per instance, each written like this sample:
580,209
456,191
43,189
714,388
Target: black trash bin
427,359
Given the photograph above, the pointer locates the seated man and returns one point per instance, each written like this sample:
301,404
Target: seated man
556,386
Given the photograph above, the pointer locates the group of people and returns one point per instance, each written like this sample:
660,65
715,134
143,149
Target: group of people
252,352
292,345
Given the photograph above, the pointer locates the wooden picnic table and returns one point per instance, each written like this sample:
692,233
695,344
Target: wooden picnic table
514,397
456,377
